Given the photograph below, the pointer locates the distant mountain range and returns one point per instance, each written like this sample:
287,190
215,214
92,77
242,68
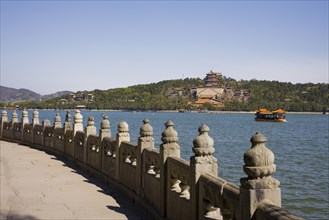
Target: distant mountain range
15,95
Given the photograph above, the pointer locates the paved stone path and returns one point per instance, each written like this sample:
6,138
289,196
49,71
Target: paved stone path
35,185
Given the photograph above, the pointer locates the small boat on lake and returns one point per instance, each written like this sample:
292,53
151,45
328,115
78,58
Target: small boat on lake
263,114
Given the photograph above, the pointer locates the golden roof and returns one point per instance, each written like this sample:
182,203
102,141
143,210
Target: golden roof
265,111
200,102
280,111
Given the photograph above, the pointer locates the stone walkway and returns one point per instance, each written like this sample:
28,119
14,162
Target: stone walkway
35,185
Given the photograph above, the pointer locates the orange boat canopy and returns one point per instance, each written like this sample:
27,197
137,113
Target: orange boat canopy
280,111
265,111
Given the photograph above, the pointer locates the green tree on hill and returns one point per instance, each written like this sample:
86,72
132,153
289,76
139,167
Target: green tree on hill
174,95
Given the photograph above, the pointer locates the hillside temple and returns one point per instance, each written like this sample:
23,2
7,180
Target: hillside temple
214,93
209,93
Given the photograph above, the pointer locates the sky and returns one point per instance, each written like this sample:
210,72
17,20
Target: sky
50,46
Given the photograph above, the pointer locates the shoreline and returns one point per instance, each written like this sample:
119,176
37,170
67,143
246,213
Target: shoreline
254,112
175,111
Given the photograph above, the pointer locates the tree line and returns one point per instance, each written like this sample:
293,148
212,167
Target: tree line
307,97
174,95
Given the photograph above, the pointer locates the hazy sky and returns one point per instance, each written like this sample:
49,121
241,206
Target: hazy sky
49,46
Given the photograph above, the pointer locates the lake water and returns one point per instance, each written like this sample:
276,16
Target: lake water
300,147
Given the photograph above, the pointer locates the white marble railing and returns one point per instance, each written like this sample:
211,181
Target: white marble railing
158,179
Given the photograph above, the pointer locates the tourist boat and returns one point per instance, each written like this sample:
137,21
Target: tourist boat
274,116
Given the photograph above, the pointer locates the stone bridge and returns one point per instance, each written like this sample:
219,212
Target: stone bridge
164,185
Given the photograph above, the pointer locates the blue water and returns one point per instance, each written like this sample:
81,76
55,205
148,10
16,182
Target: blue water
300,147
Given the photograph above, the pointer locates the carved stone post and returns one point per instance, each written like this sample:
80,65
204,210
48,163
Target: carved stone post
89,129
45,123
104,132
78,122
35,121
4,118
25,117
25,120
259,185
202,162
14,119
169,147
145,140
122,135
67,123
57,121
35,118
105,128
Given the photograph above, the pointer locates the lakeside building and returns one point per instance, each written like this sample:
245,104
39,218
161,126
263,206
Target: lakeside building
198,103
212,79
241,96
210,93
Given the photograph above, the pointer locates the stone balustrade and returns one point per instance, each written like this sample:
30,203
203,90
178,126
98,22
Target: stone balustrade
161,182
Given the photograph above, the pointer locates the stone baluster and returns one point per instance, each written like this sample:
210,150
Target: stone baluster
67,123
25,118
90,129
14,118
35,118
202,162
35,121
105,130
169,147
57,121
78,122
45,123
259,186
4,118
145,140
122,135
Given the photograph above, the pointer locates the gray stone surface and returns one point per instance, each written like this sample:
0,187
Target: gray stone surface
36,185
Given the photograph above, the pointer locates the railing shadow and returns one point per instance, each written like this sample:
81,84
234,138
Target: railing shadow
126,206
15,216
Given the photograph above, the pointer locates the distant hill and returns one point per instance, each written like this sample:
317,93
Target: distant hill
11,94
175,94
242,95
56,94
16,95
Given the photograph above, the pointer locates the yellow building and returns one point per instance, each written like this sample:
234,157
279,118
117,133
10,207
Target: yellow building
210,93
200,102
211,79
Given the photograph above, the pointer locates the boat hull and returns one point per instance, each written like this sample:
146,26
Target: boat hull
271,120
